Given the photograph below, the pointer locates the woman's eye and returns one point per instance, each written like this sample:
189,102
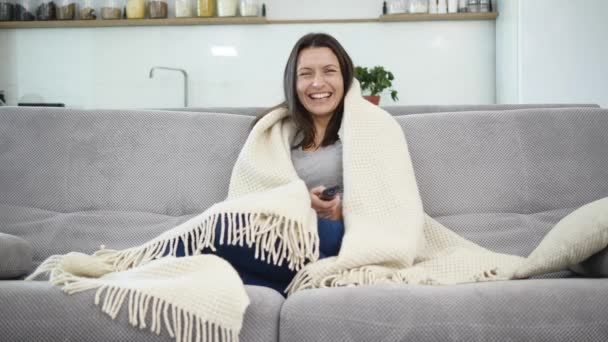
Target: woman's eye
305,74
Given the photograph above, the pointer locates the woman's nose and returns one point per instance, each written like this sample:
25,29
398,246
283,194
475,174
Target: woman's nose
317,82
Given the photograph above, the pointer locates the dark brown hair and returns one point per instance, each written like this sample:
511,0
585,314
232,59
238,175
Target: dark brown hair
301,117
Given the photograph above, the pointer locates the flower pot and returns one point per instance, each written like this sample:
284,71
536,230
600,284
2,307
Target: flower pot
373,99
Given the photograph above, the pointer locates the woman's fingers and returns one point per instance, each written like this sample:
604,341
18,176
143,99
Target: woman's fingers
318,190
325,209
318,203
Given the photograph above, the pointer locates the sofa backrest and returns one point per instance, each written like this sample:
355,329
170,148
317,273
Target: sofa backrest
69,160
518,161
179,163
399,110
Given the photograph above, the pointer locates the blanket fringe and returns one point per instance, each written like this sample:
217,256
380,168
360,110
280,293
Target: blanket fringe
47,267
180,324
277,240
141,308
374,275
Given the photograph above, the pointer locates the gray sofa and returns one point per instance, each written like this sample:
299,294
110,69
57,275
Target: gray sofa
75,179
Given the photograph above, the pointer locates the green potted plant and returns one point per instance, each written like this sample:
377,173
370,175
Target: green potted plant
374,81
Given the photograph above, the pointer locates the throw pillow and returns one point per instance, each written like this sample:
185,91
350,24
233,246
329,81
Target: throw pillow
15,256
574,239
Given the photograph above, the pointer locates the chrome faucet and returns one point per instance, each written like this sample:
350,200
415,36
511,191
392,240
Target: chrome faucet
185,79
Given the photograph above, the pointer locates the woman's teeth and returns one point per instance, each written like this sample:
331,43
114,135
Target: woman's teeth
320,96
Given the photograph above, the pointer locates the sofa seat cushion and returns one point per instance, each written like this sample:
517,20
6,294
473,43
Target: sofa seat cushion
52,232
573,309
15,256
38,311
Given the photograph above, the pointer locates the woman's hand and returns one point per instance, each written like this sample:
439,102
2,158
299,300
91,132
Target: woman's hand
326,209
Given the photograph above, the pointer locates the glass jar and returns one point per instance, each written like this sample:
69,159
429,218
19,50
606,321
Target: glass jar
158,9
227,8
111,9
452,6
47,10
87,10
473,6
419,6
24,10
184,9
205,8
136,9
484,6
462,6
66,9
396,6
7,10
249,8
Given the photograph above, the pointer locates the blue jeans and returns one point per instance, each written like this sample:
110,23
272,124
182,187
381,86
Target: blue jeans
257,272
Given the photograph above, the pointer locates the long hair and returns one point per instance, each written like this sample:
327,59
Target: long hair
301,117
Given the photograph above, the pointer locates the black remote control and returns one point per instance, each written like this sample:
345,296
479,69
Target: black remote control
329,193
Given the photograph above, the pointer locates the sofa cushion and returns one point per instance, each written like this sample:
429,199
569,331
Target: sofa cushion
15,256
52,232
43,312
566,310
573,239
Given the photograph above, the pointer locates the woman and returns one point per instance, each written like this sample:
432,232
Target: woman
316,76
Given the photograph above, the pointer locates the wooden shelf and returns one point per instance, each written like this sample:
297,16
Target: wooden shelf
135,22
241,21
324,21
431,17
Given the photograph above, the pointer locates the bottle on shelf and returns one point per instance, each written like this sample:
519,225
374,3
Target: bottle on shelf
205,8
66,9
111,9
462,6
136,9
158,9
184,9
433,9
484,6
47,10
396,6
473,6
7,10
419,6
442,6
227,8
249,8
452,6
87,10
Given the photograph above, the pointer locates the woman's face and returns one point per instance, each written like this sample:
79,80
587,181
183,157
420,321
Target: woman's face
319,82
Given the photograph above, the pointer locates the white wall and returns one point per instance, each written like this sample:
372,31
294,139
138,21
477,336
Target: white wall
433,62
553,51
507,52
564,51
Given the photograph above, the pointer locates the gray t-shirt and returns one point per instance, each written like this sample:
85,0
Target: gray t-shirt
320,167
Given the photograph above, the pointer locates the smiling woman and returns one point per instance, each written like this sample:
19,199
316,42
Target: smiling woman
318,73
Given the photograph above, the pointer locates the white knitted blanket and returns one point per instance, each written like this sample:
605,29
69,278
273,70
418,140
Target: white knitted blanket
388,237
